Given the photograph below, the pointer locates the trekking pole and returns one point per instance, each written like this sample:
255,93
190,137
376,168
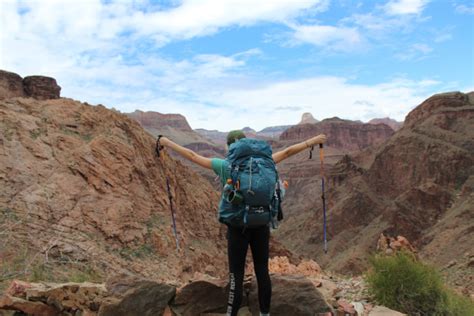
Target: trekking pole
321,158
170,196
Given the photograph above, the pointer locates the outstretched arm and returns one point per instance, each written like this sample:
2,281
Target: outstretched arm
294,149
186,153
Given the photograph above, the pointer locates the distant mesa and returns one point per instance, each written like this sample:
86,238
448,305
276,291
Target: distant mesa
395,125
249,130
273,131
342,134
38,87
307,118
156,120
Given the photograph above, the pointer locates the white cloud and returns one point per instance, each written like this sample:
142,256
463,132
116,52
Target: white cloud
464,9
322,96
191,18
417,51
334,38
401,7
194,18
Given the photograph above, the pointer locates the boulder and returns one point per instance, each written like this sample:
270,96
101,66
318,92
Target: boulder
41,87
133,296
11,85
8,302
68,297
202,296
384,311
345,308
291,295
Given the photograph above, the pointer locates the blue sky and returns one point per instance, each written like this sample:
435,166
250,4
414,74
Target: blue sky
226,64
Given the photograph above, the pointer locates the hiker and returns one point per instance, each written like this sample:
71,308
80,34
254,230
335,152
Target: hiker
238,237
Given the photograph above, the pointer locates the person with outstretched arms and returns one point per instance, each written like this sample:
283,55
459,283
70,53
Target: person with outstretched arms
245,203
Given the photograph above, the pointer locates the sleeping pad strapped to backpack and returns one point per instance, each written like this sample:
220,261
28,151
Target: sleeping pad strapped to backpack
250,198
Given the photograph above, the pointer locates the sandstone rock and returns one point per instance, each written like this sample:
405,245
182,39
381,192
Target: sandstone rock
384,311
8,302
11,85
41,87
136,297
282,265
345,308
201,296
18,288
402,243
68,297
390,245
291,295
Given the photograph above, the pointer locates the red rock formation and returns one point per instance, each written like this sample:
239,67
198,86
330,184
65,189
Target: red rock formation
82,184
155,121
343,134
38,87
417,184
41,87
387,121
11,85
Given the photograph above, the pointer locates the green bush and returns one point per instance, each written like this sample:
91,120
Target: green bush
405,284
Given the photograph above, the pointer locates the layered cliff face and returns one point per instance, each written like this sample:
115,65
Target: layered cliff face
156,121
342,134
83,192
417,184
176,127
395,125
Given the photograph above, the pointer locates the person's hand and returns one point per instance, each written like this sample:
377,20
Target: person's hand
164,141
322,138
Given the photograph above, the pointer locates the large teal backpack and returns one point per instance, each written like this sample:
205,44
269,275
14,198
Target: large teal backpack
250,198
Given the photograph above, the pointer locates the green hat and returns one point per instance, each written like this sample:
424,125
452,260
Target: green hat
234,135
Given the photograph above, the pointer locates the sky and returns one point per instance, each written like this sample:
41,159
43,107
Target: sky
227,64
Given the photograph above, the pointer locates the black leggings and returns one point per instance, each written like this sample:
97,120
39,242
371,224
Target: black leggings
237,245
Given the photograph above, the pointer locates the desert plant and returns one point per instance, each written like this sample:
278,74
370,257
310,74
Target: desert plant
403,283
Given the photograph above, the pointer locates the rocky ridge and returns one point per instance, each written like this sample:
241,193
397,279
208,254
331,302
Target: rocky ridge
418,184
84,195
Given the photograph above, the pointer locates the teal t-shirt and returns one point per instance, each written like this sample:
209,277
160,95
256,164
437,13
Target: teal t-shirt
221,168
